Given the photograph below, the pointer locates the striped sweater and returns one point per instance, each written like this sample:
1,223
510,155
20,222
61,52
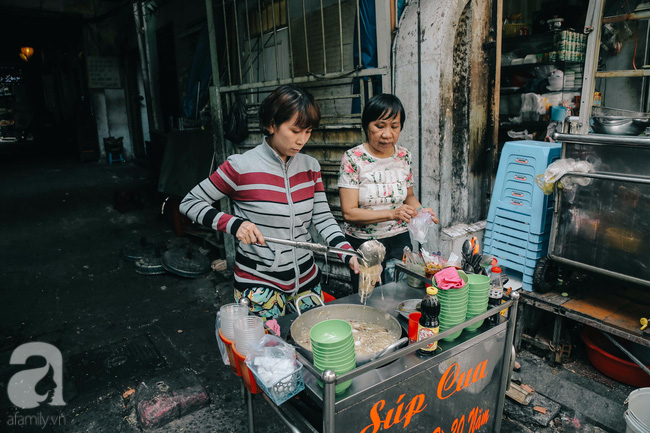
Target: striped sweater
283,200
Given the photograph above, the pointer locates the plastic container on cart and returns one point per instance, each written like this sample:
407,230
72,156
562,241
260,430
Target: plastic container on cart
285,388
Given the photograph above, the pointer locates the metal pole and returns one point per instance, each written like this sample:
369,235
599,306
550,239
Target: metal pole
341,34
144,64
627,352
250,51
304,24
261,41
290,41
420,146
275,44
225,29
249,409
329,398
322,28
234,5
505,368
216,110
359,65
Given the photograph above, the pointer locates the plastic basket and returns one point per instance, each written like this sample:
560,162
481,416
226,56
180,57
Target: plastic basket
285,388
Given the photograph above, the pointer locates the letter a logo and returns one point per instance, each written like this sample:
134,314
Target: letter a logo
22,386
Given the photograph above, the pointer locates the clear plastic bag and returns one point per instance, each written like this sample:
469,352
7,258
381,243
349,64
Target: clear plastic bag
419,226
272,359
559,168
220,343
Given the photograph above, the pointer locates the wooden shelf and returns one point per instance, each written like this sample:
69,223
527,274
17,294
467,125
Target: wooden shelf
615,310
623,73
641,15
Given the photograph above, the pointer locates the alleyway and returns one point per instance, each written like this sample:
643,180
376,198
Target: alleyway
65,283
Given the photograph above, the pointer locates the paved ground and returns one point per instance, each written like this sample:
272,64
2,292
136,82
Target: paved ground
65,283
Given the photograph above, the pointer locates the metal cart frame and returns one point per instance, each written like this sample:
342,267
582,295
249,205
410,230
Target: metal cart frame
406,372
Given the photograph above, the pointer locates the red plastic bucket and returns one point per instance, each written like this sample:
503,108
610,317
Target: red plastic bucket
603,355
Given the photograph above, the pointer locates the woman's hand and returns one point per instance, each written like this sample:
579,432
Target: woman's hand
248,233
354,265
404,213
432,213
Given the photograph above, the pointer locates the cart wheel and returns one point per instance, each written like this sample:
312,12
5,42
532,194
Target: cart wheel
546,275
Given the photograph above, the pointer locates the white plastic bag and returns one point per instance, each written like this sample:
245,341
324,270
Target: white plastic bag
559,168
419,226
272,359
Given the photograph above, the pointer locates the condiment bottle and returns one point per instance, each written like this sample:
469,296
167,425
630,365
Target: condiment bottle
429,324
496,292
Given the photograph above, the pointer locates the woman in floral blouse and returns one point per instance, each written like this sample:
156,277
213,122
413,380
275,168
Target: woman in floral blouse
376,184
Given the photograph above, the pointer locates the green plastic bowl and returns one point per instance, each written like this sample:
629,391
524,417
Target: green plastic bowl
343,345
461,274
332,332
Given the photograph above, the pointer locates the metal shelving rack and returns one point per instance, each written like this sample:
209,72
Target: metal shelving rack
593,28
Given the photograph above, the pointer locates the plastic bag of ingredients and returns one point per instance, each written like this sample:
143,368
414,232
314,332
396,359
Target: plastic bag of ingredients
272,360
559,168
419,226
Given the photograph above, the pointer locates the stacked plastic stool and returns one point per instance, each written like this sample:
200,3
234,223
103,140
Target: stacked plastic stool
520,215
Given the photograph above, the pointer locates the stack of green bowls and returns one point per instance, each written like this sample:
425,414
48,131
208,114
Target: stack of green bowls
453,306
332,344
479,293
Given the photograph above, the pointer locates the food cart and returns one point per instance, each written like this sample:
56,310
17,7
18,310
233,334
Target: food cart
461,388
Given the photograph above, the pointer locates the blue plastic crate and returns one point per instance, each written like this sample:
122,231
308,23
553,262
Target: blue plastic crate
522,222
520,263
512,252
536,245
492,228
518,251
520,162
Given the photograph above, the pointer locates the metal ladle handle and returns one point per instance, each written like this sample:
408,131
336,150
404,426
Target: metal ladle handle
323,249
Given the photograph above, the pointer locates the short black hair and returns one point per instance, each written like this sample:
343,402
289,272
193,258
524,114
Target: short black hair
283,103
382,106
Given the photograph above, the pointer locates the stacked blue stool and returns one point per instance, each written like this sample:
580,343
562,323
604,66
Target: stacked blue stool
519,220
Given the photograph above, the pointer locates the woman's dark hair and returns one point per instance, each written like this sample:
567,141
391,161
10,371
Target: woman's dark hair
383,106
283,103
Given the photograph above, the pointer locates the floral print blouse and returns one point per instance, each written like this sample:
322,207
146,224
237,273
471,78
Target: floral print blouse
382,184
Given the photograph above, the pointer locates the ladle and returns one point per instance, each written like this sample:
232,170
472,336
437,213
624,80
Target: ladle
370,252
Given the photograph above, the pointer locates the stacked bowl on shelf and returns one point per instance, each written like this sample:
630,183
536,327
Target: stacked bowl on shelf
453,306
332,345
477,302
520,214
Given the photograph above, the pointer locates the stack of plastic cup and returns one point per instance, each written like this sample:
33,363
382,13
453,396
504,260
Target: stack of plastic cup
479,293
453,307
332,344
249,330
230,313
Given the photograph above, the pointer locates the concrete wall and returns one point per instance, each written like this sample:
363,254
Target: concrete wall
452,92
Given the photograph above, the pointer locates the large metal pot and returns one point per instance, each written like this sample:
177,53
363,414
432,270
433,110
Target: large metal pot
361,313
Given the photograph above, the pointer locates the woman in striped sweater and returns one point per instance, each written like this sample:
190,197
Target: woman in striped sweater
278,192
